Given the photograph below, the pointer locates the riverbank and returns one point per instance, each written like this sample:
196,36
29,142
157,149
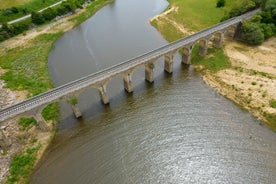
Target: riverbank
248,75
24,73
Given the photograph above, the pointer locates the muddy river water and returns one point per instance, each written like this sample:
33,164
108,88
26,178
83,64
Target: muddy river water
176,130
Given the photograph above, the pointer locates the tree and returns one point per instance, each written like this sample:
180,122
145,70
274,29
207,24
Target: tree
220,3
252,34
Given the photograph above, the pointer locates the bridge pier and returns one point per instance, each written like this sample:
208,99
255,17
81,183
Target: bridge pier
203,47
76,111
128,82
168,64
103,94
149,71
73,101
218,39
41,121
186,56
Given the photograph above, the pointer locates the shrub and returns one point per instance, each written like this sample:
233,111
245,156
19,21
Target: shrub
37,18
20,27
49,14
252,34
220,3
27,123
272,103
61,10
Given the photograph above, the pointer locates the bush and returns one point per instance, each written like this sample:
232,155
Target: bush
220,3
20,27
61,10
27,123
272,103
252,34
9,11
49,14
269,30
37,18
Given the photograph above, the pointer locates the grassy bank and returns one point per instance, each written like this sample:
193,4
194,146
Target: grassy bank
26,68
193,15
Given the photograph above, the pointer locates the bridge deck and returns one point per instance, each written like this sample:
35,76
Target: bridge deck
98,77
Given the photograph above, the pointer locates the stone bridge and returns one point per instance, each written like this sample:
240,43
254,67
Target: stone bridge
99,80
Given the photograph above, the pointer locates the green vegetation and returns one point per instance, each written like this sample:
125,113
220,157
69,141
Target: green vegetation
73,101
191,14
253,83
11,9
259,27
7,31
6,4
272,103
51,112
27,123
22,165
220,3
27,65
270,120
215,61
91,9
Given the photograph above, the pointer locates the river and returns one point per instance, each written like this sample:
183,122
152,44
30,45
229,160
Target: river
176,130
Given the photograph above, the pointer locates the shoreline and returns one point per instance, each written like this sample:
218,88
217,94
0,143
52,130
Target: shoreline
18,139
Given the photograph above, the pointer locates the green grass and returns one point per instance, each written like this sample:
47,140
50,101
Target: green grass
27,123
11,3
215,60
194,15
27,66
30,6
92,8
272,103
21,165
51,112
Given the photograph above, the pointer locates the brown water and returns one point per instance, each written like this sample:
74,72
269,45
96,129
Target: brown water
176,130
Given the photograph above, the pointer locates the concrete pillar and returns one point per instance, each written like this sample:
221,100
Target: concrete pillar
186,56
41,121
76,110
73,101
217,42
203,47
103,94
168,64
128,82
149,71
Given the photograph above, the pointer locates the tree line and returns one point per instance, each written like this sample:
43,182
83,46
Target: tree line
259,27
9,30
